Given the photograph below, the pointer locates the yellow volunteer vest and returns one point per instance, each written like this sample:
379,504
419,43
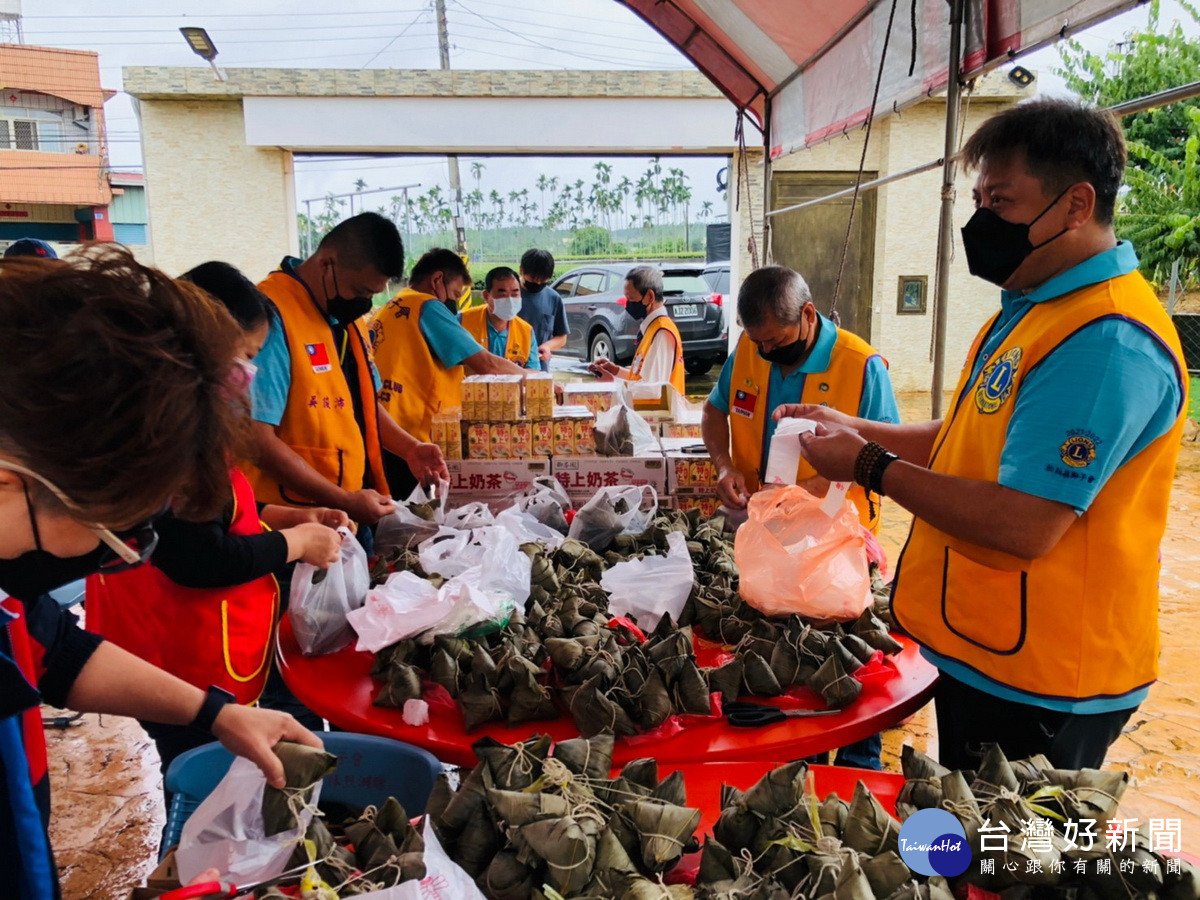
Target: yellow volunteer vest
415,384
1081,622
662,323
520,334
319,422
839,387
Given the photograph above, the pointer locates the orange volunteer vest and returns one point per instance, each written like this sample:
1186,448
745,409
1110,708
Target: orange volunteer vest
205,636
839,387
319,422
520,334
1080,622
415,384
662,323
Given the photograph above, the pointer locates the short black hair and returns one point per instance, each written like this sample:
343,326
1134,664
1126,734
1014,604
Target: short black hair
498,274
236,292
439,259
367,239
538,263
1062,142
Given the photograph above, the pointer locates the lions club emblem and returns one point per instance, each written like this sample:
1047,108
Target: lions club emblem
996,382
1078,451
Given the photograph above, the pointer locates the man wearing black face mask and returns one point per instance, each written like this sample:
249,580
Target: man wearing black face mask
423,351
788,353
659,354
1030,577
320,431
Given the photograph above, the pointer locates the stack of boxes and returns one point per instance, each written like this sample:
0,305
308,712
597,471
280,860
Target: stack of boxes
692,476
506,418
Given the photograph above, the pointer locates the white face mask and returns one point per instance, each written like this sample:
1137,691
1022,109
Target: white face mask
506,307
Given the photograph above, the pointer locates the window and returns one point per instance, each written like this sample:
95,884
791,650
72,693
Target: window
684,283
590,283
566,287
18,134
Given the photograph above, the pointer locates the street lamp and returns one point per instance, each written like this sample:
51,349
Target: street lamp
203,47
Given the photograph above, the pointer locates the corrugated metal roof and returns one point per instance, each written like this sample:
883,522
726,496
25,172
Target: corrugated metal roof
71,74
28,176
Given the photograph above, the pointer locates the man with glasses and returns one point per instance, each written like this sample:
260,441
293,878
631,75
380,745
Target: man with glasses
320,432
422,351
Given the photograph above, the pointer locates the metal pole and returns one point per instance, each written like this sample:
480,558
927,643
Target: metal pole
865,186
1152,101
455,182
946,223
407,231
308,228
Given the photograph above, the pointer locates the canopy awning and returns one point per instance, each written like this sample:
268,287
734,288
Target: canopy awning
806,68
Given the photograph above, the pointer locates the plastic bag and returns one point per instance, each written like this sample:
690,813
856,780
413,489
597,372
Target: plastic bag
527,529
650,587
444,879
468,516
401,607
402,529
783,459
547,501
226,832
320,599
622,432
469,607
801,554
624,509
451,552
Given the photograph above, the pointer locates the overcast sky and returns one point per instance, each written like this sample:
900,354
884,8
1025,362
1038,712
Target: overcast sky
484,34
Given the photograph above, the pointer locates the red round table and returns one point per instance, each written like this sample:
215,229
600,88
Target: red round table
339,687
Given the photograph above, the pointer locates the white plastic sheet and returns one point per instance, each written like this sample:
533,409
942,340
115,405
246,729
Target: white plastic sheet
650,587
783,459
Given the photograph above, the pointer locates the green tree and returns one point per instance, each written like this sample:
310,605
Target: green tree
1145,62
591,240
1161,211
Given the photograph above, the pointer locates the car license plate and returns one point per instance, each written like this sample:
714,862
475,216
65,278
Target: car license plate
685,310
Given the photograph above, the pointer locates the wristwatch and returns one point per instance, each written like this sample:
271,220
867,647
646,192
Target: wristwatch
214,701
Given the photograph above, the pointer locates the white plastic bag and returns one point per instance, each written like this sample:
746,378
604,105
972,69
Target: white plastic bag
623,509
783,459
622,432
226,832
802,554
468,516
648,588
402,529
527,529
451,552
444,879
320,599
547,501
401,607
469,606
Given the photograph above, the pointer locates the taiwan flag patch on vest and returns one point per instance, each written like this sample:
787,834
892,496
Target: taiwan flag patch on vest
744,403
318,357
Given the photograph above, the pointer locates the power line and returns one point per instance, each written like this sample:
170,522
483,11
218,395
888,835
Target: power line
291,14
396,38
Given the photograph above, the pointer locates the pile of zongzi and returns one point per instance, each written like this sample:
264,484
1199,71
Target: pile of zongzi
534,821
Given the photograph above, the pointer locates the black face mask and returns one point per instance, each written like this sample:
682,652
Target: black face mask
37,572
530,287
996,248
792,354
636,309
346,309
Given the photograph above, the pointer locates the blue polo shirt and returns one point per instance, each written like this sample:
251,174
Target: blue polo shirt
1111,381
448,341
498,344
878,401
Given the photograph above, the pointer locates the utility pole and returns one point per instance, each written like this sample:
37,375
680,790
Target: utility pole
455,182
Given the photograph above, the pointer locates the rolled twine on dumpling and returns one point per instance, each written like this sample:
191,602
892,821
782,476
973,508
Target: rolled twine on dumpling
303,767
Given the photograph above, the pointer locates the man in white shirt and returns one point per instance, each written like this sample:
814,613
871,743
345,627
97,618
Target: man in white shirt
659,354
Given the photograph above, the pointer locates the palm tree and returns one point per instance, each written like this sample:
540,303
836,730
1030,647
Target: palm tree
543,182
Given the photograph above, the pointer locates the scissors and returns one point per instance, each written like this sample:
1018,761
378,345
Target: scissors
755,715
227,889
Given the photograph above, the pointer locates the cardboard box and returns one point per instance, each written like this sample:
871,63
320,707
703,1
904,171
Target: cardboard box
689,471
706,502
597,397
504,398
539,395
493,479
582,476
500,440
474,398
542,437
688,430
479,441
522,440
164,878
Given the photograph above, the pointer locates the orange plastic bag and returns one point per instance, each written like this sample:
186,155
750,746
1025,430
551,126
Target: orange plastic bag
801,554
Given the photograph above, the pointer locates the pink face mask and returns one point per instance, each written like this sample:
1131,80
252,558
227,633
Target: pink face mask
241,375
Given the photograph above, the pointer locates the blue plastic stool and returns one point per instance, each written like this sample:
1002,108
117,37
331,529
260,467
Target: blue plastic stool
370,769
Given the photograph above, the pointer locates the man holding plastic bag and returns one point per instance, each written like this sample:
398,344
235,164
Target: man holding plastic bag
1030,577
788,353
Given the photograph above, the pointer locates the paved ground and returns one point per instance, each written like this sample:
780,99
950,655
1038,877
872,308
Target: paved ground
107,815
